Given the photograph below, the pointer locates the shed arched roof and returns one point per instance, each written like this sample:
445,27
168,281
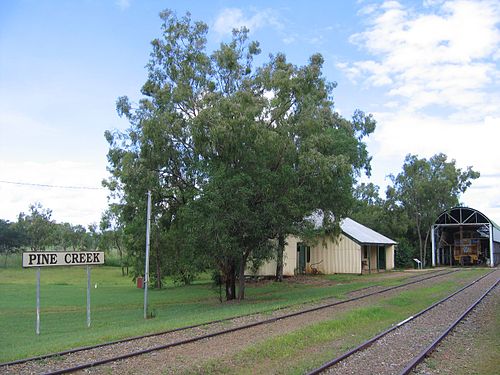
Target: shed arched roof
466,216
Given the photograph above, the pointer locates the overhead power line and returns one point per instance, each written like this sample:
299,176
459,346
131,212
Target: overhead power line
52,186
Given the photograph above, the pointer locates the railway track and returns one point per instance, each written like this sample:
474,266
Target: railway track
393,351
64,362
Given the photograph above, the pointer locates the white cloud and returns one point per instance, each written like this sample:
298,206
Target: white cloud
439,69
77,206
469,143
442,57
234,18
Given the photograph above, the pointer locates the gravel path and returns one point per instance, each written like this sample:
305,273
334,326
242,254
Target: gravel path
392,352
183,356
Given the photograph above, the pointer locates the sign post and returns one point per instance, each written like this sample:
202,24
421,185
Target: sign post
88,296
38,300
419,263
48,259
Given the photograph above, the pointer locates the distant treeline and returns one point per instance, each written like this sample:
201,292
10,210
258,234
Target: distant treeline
36,231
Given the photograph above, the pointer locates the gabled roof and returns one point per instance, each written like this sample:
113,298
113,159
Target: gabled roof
354,230
363,235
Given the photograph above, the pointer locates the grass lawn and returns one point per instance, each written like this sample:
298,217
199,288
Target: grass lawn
117,305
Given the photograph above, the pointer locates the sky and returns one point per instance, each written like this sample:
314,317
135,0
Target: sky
429,72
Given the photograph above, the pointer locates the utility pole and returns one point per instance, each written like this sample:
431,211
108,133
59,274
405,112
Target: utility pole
146,272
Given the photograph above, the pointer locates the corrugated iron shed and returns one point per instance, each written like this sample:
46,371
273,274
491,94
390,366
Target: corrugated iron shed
363,235
354,230
469,219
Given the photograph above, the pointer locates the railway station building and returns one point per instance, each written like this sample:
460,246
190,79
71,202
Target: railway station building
465,236
358,249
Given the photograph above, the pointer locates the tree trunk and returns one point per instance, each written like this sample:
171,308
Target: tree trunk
425,245
421,250
228,288
241,280
279,258
117,244
231,281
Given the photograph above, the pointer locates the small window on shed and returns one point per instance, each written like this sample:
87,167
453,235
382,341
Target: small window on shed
308,254
365,252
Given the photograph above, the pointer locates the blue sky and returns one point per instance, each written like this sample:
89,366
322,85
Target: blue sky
427,70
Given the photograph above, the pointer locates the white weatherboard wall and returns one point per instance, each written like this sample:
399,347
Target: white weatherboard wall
289,260
337,256
389,257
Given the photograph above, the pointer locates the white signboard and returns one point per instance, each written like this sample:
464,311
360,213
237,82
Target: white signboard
77,258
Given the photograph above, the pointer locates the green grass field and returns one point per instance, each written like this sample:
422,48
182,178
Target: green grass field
117,305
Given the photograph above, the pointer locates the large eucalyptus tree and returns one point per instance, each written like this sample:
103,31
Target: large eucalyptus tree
236,155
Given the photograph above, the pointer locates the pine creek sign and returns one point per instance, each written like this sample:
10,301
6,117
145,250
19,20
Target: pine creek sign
77,258
58,258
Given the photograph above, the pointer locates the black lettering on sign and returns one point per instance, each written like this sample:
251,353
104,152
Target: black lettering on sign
45,259
37,259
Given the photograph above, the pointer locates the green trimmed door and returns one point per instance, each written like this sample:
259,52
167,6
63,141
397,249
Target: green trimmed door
301,258
381,258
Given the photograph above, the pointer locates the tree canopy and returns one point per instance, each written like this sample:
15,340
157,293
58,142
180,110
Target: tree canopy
425,188
235,154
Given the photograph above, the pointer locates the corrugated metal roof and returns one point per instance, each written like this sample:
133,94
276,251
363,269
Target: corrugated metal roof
459,215
358,232
362,234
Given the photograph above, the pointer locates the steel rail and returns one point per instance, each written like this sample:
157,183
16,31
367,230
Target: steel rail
370,341
436,342
271,320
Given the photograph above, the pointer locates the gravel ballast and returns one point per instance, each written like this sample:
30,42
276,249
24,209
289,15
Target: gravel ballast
473,347
393,352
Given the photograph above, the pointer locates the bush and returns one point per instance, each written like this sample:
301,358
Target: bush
404,254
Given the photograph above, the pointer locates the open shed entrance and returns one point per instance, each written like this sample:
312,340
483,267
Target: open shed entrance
463,236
